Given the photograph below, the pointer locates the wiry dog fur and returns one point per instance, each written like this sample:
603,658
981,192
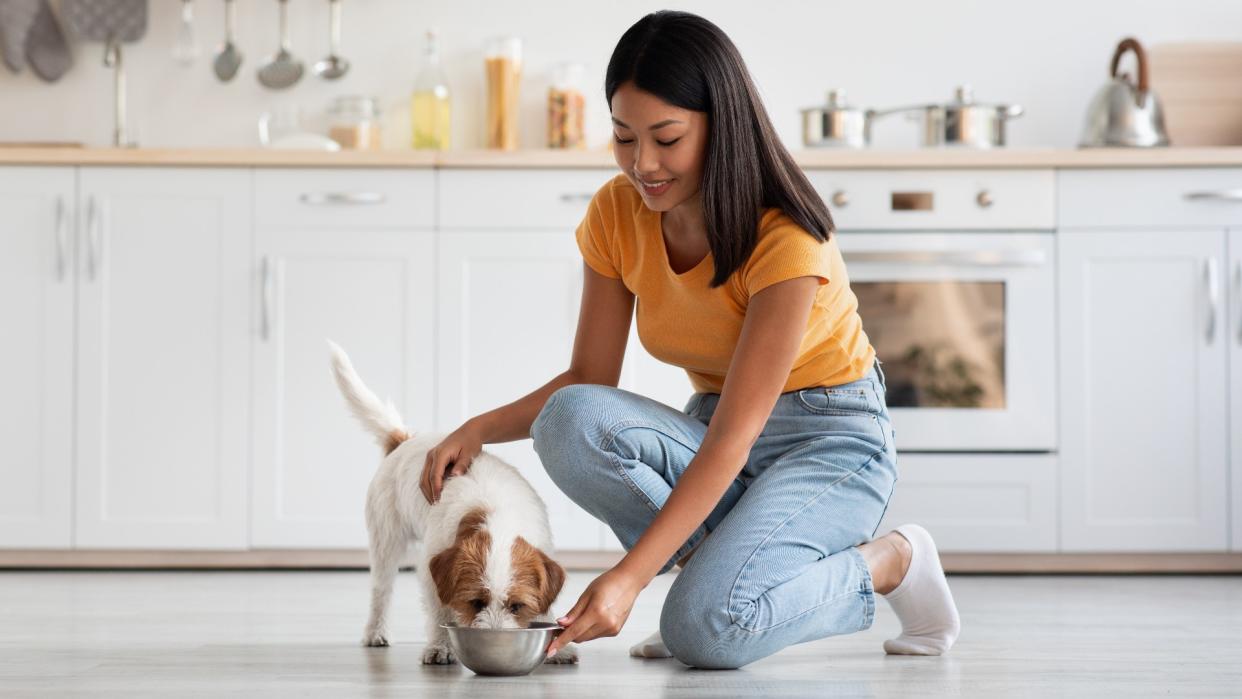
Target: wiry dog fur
484,559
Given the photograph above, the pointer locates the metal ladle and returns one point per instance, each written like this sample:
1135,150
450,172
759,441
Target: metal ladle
281,70
333,66
228,58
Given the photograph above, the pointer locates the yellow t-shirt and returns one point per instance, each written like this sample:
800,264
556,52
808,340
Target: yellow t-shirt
684,322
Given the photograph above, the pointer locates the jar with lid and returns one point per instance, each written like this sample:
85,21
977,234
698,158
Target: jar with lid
566,107
503,63
353,122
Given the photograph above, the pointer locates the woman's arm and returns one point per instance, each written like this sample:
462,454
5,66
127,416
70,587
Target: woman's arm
599,348
775,324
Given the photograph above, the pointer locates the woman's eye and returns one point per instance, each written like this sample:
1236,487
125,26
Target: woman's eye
515,607
618,139
478,604
668,143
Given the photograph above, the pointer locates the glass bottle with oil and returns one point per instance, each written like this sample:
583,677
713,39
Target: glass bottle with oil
430,104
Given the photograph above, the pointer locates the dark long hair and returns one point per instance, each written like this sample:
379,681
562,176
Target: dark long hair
689,62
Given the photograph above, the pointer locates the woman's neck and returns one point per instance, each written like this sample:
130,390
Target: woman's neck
686,222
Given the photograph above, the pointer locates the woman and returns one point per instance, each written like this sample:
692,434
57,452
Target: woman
768,488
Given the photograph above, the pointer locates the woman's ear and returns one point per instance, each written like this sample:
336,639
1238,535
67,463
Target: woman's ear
443,569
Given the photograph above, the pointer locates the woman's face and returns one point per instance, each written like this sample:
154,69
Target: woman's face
659,147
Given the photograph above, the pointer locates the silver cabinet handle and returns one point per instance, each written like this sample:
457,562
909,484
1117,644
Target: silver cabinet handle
266,299
1215,195
343,198
62,253
93,251
1237,294
966,258
984,199
1209,282
840,199
576,197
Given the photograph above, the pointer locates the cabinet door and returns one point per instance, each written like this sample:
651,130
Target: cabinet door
36,358
163,309
371,291
1235,381
1143,419
508,313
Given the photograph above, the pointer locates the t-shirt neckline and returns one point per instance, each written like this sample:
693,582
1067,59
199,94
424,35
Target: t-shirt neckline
668,264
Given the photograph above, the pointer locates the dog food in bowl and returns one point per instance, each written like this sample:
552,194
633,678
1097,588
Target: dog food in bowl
502,651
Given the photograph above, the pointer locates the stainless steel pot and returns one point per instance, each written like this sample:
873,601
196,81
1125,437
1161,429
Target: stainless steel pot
1122,113
962,122
836,124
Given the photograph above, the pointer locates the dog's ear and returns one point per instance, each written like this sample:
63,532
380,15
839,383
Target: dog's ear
550,582
443,569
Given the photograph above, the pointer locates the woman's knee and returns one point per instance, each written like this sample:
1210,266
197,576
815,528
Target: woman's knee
698,629
560,426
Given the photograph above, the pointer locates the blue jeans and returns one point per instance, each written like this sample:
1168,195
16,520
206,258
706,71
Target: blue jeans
780,565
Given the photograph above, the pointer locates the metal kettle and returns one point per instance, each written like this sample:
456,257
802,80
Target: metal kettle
1123,113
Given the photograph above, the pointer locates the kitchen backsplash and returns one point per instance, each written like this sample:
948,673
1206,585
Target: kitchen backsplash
1048,57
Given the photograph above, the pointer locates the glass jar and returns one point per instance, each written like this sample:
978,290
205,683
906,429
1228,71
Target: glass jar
503,63
566,107
353,122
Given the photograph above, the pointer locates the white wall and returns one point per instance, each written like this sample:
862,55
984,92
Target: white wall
1048,56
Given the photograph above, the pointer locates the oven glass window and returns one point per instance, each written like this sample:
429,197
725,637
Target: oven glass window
942,342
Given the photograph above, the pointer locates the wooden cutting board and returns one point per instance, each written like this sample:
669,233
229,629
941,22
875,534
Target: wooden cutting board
1199,84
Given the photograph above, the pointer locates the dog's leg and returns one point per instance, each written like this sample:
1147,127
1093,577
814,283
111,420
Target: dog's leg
437,651
565,656
387,545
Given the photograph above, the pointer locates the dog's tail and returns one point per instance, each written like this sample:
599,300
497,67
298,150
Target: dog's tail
380,419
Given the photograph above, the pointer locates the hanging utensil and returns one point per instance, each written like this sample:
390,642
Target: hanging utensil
185,48
333,66
1123,113
228,58
113,22
281,70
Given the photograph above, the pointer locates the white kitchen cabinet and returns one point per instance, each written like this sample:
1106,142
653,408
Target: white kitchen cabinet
163,414
345,256
1235,381
1143,388
36,357
978,502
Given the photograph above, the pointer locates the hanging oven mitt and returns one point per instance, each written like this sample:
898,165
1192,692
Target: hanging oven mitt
46,49
16,16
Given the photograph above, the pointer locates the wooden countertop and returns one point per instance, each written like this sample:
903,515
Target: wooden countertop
1007,158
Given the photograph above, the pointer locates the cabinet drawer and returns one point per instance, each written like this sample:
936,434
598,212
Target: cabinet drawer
1152,198
978,502
938,200
527,199
345,198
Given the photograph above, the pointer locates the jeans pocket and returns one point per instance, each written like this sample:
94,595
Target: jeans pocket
856,398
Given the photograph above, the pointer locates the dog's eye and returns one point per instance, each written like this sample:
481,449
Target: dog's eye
478,604
515,608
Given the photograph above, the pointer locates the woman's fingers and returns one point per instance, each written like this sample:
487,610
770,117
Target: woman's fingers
576,610
460,466
424,481
437,474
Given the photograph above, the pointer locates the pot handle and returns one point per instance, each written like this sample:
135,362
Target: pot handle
1131,44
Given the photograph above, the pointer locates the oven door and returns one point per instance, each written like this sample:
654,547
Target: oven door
964,326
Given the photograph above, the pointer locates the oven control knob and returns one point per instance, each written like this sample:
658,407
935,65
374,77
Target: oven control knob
983,199
840,199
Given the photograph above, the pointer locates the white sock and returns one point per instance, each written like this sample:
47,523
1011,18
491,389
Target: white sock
922,601
651,647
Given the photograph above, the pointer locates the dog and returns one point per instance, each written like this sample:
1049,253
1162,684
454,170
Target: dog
484,560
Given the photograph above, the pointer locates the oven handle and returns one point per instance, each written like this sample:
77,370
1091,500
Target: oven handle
956,258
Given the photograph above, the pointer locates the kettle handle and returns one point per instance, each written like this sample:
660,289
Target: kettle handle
1131,44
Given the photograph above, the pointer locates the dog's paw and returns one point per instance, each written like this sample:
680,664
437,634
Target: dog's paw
438,654
375,637
565,656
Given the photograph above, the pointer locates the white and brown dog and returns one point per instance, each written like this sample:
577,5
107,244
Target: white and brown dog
484,559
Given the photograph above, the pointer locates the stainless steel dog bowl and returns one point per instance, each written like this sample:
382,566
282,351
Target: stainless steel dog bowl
502,651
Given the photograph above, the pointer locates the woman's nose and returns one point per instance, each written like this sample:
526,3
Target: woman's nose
646,160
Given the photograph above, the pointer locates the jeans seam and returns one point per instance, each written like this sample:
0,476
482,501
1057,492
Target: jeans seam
778,527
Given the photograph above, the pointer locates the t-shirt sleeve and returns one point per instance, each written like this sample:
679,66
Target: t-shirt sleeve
595,232
786,252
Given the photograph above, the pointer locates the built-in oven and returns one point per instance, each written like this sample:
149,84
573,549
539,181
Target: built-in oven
955,278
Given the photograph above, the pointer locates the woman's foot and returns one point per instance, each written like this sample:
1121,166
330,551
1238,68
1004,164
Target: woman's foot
910,577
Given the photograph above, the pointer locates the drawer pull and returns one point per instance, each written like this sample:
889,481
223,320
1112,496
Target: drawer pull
956,258
1217,195
576,197
840,199
346,198
912,201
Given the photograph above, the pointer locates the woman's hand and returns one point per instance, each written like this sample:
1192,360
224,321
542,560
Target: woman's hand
601,610
458,449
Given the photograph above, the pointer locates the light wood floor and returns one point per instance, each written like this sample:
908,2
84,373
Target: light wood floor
296,634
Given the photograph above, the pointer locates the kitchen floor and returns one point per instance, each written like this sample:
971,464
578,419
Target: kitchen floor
296,633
